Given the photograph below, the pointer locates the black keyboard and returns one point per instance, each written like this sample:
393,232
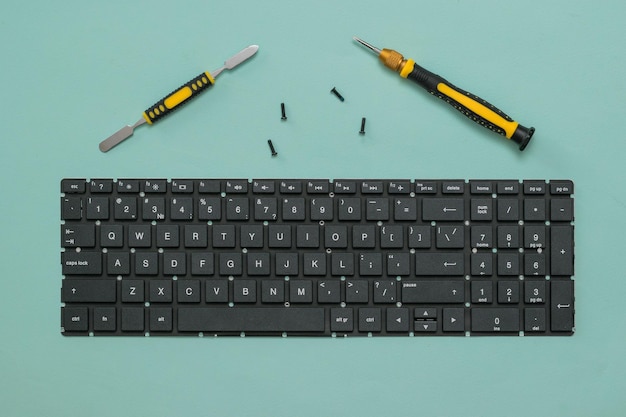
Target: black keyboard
353,257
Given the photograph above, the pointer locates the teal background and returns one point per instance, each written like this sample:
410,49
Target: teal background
74,72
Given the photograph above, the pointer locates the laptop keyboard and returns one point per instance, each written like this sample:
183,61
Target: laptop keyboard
317,257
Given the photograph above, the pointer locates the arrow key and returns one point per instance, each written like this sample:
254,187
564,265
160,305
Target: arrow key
453,320
398,319
425,313
425,326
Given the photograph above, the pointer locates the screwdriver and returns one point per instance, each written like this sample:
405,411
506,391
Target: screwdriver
176,99
475,108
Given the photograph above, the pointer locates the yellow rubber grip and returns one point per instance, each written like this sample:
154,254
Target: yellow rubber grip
178,97
479,109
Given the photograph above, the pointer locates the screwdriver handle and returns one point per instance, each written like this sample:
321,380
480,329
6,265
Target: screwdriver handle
472,106
178,97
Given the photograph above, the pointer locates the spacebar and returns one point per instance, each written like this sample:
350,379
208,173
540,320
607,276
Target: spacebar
250,319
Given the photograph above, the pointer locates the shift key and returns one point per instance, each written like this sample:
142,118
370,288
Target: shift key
433,292
88,291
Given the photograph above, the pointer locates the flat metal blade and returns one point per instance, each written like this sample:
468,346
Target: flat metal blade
237,59
119,136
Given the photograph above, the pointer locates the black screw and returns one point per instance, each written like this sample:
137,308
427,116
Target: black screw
269,142
282,111
362,132
335,92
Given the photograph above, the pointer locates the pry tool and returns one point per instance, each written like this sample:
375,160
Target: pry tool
474,107
179,97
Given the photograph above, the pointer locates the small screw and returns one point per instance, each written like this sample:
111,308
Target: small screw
282,111
362,132
335,92
269,142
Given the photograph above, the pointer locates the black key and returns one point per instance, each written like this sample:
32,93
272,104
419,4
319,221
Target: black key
128,186
244,291
405,209
561,187
167,236
561,305
398,264
453,187
534,237
307,236
562,210
314,263
453,320
236,186
133,291
442,209
508,210
252,236
391,237
181,208
345,187
139,236
202,263
133,319
125,208
209,208
377,209
217,291
230,264
265,208
481,187
73,186
482,292
482,263
508,237
534,292
508,292
104,319
535,264
196,236
287,264
385,291
363,237
534,210
112,236
425,313
508,263
209,187
349,209
71,208
258,263
153,209
328,292
534,320
433,292
561,250
224,236
495,320
78,235
450,237
318,187
88,291
273,291
263,187
335,236
428,326
160,291
508,187
481,237
481,209
291,187
356,291
153,186
160,319
371,264
237,208
426,187
322,209
441,263
370,320
300,291
293,209
419,237
341,320
97,208
81,263
399,187
251,319
534,187
182,186
146,263
372,187
188,290
75,319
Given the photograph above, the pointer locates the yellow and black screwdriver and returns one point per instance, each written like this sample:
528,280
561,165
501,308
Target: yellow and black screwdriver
475,108
177,98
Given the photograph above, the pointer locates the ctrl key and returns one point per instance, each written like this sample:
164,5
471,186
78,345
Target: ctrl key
75,319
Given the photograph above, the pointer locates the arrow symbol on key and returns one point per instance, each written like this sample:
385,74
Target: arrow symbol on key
562,305
446,209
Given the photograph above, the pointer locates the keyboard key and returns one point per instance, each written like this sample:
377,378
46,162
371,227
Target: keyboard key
562,250
306,320
78,235
453,320
73,186
81,263
160,319
341,320
440,263
442,209
88,291
433,292
370,320
104,319
495,320
398,319
561,305
75,319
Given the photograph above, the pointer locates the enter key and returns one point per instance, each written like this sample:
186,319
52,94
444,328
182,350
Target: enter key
562,305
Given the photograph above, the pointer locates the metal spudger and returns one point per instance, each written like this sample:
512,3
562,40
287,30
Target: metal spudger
472,106
179,97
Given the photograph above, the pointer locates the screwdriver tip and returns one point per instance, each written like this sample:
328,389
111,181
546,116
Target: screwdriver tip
367,45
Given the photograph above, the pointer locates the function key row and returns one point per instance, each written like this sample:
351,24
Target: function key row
243,186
